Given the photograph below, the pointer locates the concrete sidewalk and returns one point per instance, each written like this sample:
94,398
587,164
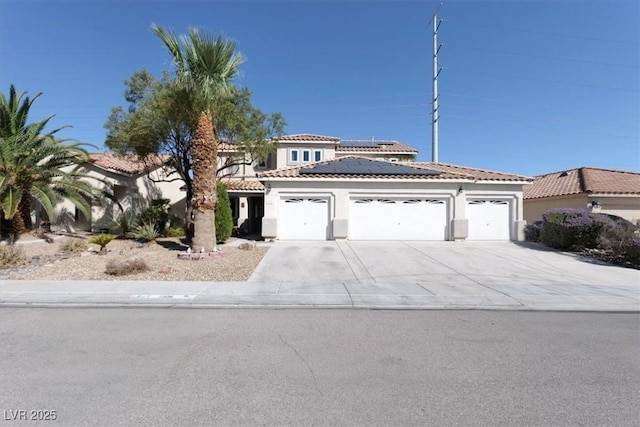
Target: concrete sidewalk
316,295
389,275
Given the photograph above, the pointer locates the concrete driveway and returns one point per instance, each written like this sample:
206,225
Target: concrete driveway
490,273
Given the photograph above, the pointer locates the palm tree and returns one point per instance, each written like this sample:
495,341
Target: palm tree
206,66
32,167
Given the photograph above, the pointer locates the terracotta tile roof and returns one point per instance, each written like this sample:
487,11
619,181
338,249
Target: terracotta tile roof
129,164
307,137
382,147
472,173
450,172
239,185
583,180
226,147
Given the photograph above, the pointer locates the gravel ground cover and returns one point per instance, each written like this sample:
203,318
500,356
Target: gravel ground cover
48,262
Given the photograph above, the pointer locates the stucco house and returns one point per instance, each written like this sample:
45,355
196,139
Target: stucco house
247,193
607,191
132,182
315,187
360,198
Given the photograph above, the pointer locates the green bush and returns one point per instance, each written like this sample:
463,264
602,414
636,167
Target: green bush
146,232
568,229
102,240
224,217
532,231
174,232
157,214
631,252
10,257
124,222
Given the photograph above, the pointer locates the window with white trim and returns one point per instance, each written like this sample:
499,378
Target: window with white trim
317,155
306,156
294,156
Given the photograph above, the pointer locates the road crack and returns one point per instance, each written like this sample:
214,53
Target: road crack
313,375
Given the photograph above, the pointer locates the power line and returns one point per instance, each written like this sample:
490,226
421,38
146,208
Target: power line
530,79
555,58
554,118
509,102
532,126
543,33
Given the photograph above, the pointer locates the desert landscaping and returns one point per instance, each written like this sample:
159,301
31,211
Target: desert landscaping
51,259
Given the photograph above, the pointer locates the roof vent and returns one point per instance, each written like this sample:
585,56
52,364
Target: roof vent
564,174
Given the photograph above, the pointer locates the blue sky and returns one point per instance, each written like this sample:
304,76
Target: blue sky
526,87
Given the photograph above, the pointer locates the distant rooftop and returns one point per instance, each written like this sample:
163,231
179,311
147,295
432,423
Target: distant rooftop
583,180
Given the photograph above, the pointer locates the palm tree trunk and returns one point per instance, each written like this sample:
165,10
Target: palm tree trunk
24,211
205,164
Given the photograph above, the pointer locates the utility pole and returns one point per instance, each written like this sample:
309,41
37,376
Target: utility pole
434,104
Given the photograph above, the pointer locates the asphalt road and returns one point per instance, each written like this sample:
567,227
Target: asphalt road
318,367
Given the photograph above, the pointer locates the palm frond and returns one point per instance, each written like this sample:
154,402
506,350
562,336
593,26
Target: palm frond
11,197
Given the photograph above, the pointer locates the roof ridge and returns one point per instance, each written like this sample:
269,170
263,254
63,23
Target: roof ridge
585,182
459,167
588,168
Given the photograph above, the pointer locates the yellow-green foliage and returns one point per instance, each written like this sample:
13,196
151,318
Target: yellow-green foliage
174,232
74,246
102,240
10,257
146,232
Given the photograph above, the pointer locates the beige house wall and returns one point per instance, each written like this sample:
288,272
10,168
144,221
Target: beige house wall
627,207
534,208
133,192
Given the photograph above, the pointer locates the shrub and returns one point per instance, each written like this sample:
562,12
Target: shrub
124,222
570,228
102,240
130,266
615,232
156,214
74,246
146,232
10,257
630,250
224,217
174,232
532,231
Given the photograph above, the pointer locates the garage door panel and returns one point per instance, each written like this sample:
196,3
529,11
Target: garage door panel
397,219
488,219
304,219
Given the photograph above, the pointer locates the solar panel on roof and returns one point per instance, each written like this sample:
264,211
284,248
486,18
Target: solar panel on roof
351,166
363,143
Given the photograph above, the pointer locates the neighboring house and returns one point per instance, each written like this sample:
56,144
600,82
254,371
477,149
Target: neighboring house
130,181
599,190
359,198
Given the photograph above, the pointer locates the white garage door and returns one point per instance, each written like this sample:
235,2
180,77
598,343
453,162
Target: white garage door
304,219
488,220
397,219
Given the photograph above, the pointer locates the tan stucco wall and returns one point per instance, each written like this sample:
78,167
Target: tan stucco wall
282,156
136,192
534,208
627,207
